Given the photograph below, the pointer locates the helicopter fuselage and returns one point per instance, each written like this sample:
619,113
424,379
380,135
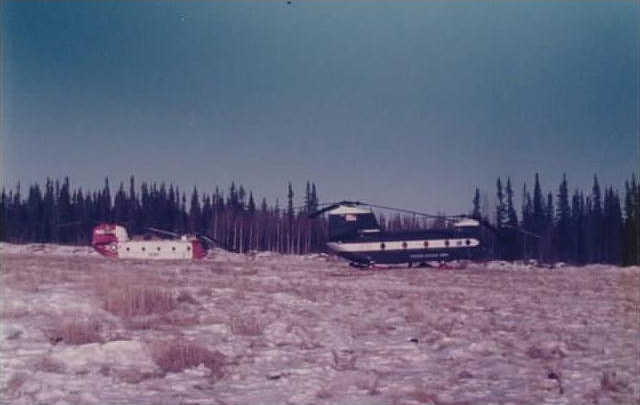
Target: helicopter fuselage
354,234
113,241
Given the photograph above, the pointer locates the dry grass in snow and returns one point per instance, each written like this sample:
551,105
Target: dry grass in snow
177,355
74,329
128,301
246,324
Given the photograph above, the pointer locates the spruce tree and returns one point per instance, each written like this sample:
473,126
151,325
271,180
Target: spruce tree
104,213
307,198
512,216
120,206
539,219
514,239
595,223
501,209
49,212
133,211
35,214
475,213
314,198
563,236
290,216
529,243
631,243
81,217
195,213
4,214
207,214
612,226
577,228
538,207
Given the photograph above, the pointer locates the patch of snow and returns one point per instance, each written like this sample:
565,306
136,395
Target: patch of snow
46,249
309,329
117,354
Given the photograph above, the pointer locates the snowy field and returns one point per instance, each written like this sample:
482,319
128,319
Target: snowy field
232,329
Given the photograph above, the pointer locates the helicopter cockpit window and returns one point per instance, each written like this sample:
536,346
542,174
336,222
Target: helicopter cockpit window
352,224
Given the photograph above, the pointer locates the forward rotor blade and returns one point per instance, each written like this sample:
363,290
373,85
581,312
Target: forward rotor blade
422,214
319,212
332,206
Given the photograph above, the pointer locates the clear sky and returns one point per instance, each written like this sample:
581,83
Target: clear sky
412,104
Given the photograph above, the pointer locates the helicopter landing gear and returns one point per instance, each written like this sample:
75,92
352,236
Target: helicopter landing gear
359,265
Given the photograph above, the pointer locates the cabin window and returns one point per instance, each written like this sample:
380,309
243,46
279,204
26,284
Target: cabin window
426,244
382,246
351,224
404,245
446,242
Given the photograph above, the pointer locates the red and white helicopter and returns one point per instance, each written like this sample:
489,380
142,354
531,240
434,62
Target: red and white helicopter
111,240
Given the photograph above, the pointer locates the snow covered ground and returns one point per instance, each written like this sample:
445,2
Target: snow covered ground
265,328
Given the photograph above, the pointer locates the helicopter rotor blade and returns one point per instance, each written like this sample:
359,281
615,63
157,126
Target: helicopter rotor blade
384,207
331,206
162,231
423,214
68,224
218,243
497,231
522,230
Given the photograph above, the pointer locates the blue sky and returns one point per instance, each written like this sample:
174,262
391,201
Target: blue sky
412,104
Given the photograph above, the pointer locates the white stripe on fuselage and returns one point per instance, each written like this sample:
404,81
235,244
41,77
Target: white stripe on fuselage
161,249
454,243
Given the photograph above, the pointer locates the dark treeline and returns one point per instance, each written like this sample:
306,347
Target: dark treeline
577,228
593,227
58,214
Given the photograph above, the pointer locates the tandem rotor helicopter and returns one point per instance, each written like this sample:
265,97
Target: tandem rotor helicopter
111,240
355,235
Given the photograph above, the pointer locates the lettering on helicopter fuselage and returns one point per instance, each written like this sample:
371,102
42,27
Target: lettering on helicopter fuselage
429,255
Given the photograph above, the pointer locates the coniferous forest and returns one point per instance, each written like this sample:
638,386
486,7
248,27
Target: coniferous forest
596,226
